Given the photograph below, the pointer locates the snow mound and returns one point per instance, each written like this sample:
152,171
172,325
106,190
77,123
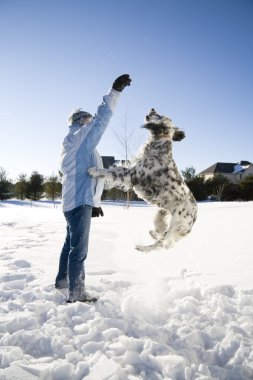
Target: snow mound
150,324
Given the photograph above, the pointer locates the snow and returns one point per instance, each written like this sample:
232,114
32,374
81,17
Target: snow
179,314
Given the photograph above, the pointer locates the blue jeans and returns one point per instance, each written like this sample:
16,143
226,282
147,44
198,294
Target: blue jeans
75,249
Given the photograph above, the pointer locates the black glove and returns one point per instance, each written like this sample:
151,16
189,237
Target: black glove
96,212
121,82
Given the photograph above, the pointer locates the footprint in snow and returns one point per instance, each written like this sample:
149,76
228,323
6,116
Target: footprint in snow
22,264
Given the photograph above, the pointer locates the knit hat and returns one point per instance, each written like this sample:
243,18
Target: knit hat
77,115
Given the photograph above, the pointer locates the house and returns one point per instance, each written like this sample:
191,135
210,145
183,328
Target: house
235,172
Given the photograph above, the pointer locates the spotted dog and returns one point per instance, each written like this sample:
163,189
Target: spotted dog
155,178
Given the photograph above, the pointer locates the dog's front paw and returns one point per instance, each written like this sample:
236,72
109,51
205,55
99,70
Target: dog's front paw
94,172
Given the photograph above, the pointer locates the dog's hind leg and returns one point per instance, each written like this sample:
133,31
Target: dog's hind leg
166,241
180,226
161,223
165,232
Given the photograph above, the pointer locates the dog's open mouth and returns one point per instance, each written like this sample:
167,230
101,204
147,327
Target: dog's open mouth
162,130
156,128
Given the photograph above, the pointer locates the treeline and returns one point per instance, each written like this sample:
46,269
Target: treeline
34,188
37,186
219,187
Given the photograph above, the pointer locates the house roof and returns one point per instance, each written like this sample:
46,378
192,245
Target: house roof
245,163
219,167
223,167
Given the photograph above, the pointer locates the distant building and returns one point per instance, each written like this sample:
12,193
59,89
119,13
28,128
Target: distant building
235,172
108,161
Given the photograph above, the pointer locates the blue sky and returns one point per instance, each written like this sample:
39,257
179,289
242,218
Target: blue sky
190,59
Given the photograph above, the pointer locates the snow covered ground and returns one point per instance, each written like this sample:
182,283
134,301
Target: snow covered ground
179,314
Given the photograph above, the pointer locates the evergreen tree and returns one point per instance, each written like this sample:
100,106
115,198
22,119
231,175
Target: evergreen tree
6,187
35,186
52,187
216,186
247,188
21,187
189,173
198,188
196,184
232,192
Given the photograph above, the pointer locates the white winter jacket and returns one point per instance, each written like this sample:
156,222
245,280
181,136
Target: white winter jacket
79,154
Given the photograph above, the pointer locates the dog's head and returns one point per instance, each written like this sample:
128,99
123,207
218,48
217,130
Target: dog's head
162,127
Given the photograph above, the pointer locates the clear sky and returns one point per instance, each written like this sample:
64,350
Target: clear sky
190,59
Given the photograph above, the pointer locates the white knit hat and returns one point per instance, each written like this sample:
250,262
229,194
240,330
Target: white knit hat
77,115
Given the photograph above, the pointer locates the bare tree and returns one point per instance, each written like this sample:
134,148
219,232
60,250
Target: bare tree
129,140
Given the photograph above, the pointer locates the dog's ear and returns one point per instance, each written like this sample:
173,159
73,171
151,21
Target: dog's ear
178,135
